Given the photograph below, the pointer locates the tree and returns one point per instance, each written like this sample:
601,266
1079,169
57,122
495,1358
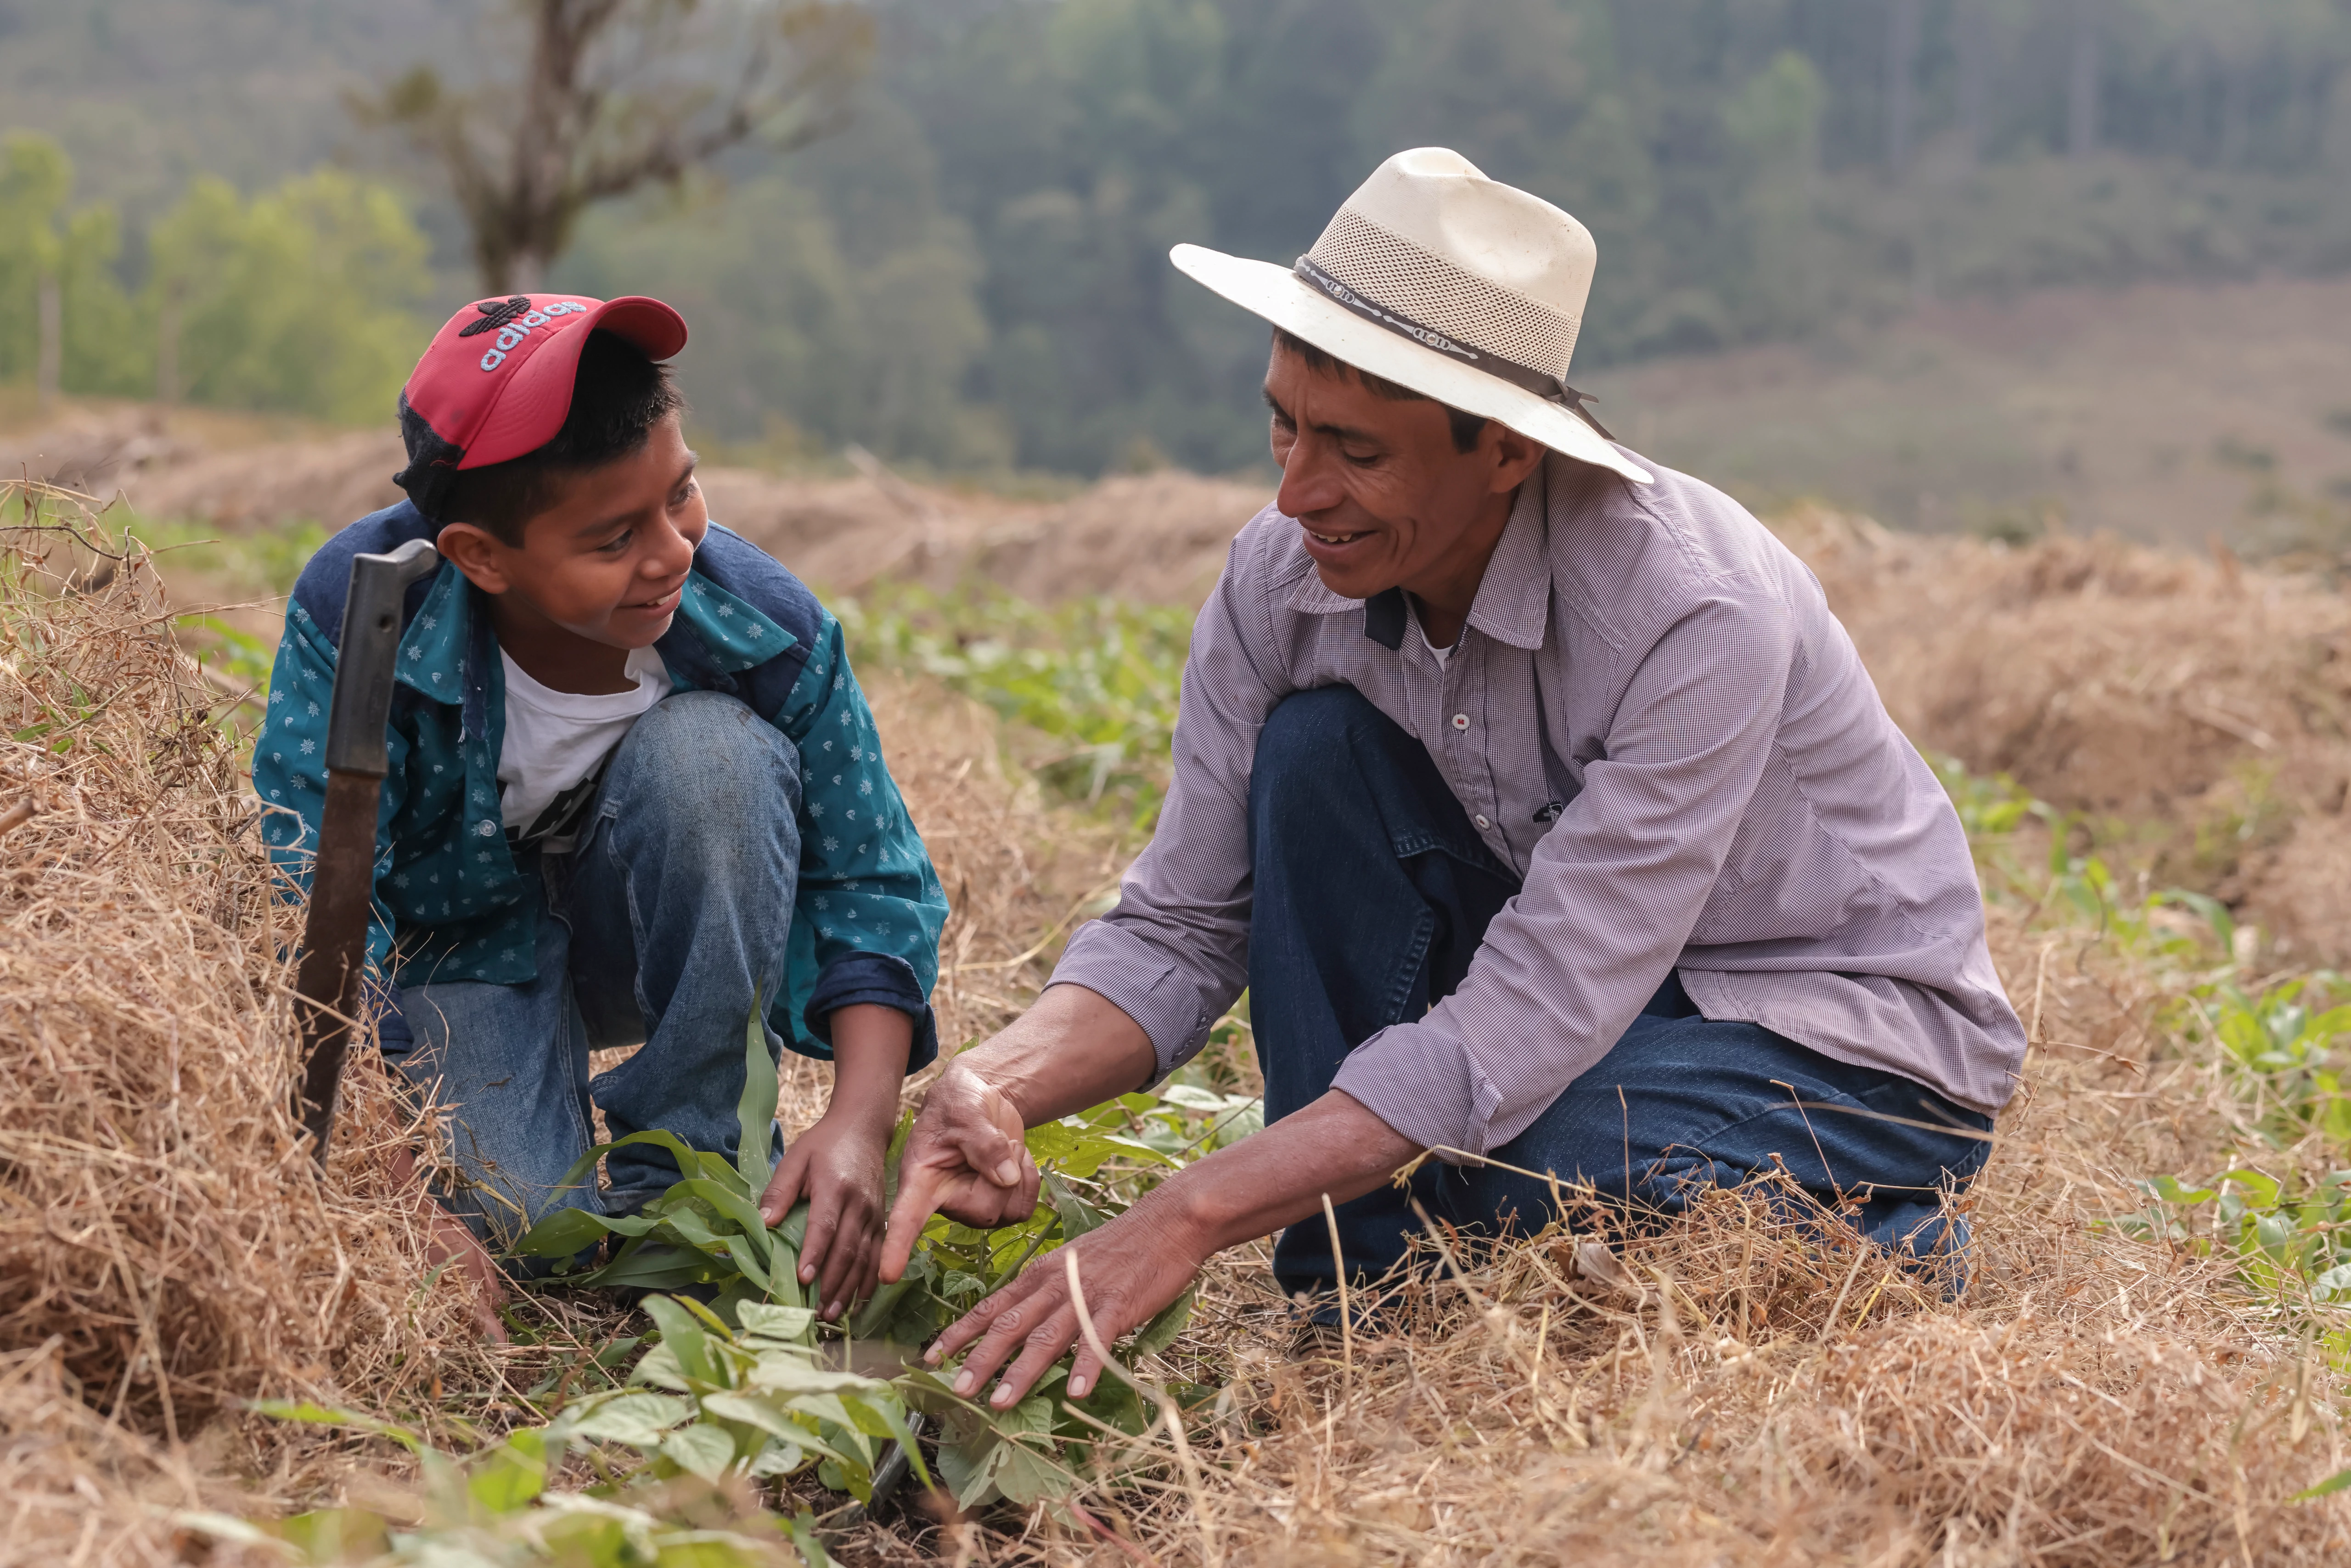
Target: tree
297,300
63,315
614,95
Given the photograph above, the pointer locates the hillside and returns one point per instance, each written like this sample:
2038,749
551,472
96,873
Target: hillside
2165,412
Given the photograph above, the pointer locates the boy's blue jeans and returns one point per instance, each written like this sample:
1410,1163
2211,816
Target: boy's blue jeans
674,901
1372,892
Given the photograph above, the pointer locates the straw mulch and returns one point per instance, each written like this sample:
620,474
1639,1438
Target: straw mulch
2198,710
167,1250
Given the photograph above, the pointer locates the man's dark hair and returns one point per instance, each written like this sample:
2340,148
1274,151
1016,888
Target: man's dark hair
1467,427
617,397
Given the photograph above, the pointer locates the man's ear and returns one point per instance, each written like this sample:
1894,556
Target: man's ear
479,554
1514,456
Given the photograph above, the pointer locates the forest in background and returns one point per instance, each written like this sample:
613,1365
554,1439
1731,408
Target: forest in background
970,274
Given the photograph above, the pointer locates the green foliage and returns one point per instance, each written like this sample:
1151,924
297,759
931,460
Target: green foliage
706,1229
41,241
301,298
2281,1051
751,1398
494,1508
1098,676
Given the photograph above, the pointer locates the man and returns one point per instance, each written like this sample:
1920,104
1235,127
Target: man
1544,808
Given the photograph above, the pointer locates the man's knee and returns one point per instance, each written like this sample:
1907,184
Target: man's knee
707,758
1311,740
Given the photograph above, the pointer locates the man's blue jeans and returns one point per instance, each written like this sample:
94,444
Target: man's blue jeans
673,904
1372,892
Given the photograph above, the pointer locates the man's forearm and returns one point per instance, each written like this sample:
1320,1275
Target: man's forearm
1281,1175
1070,1051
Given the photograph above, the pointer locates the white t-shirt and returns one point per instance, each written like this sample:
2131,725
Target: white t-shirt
557,744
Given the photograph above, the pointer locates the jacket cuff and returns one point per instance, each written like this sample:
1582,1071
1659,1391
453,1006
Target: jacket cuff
393,1037
882,980
1426,1087
1139,980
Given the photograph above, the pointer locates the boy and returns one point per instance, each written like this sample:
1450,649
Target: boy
633,785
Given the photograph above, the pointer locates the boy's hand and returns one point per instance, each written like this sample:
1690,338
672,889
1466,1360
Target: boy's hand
837,1166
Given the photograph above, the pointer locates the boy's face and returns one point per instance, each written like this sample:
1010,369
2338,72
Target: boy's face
609,559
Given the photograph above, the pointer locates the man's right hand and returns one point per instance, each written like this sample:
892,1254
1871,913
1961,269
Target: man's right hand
965,1158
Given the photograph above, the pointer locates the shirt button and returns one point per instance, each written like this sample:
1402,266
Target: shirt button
1461,721
1482,824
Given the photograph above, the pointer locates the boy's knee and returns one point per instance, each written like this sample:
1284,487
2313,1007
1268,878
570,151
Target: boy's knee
709,758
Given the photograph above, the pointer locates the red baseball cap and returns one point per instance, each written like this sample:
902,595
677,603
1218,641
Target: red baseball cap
496,381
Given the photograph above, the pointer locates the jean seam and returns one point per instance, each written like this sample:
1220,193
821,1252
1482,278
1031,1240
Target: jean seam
582,1128
1791,1104
1423,932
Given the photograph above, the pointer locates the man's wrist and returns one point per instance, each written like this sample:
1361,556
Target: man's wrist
1191,1207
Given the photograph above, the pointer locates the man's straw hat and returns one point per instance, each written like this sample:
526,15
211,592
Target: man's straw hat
1436,278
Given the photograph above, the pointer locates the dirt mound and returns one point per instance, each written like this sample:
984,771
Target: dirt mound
2203,702
241,474
1159,537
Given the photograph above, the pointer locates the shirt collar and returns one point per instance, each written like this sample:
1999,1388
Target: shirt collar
734,635
433,650
1513,601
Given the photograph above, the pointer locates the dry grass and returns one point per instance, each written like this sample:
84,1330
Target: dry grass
166,1247
1738,1389
2197,710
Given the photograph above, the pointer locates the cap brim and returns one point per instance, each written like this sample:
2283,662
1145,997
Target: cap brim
532,406
1277,294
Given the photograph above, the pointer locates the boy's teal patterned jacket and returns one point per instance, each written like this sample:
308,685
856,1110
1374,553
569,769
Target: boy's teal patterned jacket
449,904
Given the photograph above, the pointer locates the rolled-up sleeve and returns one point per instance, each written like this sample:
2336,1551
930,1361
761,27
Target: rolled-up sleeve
1612,894
1174,952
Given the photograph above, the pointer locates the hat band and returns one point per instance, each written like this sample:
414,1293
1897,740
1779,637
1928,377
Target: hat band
1524,377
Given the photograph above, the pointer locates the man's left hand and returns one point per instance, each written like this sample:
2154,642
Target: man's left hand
1130,1269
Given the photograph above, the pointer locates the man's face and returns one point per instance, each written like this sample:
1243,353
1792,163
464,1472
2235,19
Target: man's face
607,561
1384,497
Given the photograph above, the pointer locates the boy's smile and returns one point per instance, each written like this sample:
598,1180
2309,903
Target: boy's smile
600,569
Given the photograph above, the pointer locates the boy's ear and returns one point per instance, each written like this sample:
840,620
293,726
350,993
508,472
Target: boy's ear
479,553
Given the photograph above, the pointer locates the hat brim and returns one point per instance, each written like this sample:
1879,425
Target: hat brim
1277,294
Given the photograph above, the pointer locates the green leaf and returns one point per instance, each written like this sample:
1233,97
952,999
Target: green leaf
651,1268
568,1231
1078,1216
315,1415
683,1338
781,1372
2335,1483
587,1162
508,1476
733,1206
767,1321
757,1111
705,1451
1161,1331
637,1419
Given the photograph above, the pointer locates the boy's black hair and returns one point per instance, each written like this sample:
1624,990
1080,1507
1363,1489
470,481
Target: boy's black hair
1467,427
617,397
